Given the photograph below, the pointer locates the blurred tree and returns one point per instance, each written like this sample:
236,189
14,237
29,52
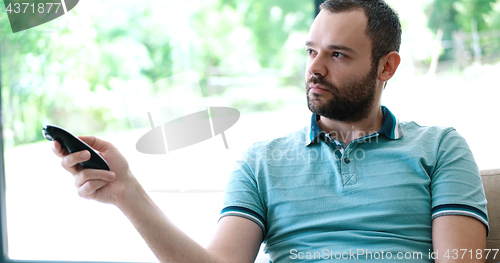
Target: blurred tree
453,15
272,22
24,76
55,71
492,19
233,37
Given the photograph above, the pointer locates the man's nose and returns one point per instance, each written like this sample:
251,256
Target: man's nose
317,66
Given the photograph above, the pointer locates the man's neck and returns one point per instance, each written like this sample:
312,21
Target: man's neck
348,132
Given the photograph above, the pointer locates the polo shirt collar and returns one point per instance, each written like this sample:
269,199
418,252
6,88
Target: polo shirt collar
391,128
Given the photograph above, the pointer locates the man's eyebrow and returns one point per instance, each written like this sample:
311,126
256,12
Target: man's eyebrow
333,47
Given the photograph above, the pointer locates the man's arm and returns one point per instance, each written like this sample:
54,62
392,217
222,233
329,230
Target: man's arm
236,239
458,239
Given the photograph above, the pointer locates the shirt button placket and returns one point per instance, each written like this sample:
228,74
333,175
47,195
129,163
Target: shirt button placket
348,172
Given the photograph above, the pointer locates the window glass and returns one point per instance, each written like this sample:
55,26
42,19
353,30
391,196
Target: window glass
450,54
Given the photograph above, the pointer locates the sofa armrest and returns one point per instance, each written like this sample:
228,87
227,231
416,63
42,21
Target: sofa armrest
491,183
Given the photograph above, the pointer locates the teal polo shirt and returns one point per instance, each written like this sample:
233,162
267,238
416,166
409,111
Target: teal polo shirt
316,198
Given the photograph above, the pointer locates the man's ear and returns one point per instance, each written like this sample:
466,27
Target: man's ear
388,66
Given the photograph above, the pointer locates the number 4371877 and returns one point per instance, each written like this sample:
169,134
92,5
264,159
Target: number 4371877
27,7
470,254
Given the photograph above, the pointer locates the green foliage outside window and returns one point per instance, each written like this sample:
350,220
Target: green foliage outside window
62,68
466,16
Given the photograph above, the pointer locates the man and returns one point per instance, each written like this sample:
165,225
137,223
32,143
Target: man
354,184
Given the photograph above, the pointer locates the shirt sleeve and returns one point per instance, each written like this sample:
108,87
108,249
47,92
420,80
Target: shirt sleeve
242,196
456,185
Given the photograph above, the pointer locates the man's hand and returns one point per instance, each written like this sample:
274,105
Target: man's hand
101,185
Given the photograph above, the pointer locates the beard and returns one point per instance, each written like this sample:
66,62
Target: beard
350,103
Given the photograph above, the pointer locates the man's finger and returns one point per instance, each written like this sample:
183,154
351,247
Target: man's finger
87,175
96,143
89,188
58,150
71,162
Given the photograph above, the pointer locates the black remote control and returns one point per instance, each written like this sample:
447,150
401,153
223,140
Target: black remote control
72,144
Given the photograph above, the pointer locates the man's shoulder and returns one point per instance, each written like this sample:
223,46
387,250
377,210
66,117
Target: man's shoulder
286,140
432,138
413,129
289,141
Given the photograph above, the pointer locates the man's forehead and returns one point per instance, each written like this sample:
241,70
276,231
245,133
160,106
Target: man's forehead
343,29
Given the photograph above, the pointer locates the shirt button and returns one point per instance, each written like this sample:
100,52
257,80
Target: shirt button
347,160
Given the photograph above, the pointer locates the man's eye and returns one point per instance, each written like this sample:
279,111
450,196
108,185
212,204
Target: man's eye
338,55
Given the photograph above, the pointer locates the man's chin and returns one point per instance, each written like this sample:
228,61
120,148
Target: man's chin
314,105
319,96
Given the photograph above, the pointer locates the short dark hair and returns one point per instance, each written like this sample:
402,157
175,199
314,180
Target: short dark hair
383,29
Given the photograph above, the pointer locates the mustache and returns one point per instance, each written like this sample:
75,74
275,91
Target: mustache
320,80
